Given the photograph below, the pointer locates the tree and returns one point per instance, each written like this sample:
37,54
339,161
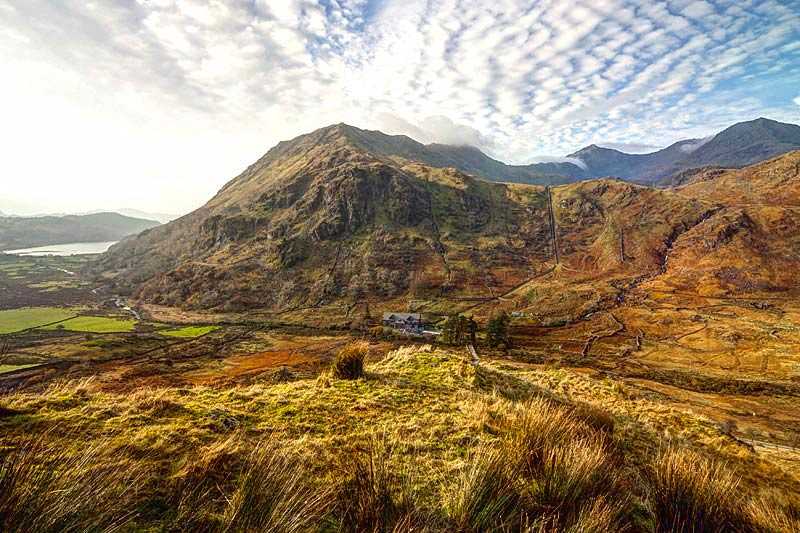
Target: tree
455,330
497,330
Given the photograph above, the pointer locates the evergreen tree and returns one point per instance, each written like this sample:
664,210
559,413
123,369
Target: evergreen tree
497,330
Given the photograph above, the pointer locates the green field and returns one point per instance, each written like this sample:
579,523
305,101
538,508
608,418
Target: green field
30,317
97,324
189,332
11,368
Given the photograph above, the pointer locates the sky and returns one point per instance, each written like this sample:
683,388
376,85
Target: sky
155,104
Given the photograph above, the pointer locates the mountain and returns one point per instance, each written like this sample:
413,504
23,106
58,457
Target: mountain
746,143
740,145
338,217
25,232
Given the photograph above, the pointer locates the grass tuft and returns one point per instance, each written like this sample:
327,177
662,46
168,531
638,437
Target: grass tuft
273,494
485,495
376,495
46,488
349,362
689,492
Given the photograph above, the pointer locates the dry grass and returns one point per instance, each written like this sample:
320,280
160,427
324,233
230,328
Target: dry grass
691,493
349,361
274,494
375,495
485,496
47,488
460,456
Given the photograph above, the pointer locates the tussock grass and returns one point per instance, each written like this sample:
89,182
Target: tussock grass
376,495
349,361
769,515
689,492
46,488
485,496
274,494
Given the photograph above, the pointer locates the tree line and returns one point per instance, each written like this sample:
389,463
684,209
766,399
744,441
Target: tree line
459,330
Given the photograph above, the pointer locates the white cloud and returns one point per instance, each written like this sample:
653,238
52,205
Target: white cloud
159,102
797,100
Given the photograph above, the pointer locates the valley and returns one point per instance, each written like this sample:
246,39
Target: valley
649,318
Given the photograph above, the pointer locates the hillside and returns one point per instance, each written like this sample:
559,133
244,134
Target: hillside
26,232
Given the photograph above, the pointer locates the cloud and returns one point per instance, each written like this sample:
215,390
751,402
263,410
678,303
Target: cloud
693,146
631,148
556,159
435,129
188,92
797,100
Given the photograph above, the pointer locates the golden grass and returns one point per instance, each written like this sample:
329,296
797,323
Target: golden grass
424,442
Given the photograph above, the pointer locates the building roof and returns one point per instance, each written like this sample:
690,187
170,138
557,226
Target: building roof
402,316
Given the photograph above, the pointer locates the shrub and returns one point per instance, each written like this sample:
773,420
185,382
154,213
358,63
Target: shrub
273,494
691,493
349,362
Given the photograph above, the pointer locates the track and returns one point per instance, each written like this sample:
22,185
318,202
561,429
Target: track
45,372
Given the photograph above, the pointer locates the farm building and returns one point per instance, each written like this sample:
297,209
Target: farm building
403,321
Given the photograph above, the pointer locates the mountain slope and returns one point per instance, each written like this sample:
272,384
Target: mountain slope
320,219
24,232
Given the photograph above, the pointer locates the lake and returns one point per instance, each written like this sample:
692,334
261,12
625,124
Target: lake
75,248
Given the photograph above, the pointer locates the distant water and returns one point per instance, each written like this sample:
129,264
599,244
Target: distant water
75,248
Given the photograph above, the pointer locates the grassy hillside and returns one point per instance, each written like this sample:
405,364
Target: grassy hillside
423,441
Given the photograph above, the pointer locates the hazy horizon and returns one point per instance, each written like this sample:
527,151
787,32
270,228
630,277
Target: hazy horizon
154,105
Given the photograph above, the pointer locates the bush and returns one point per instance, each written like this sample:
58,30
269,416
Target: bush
691,493
349,362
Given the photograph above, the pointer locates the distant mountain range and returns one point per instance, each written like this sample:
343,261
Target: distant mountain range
27,232
135,213
740,145
163,218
